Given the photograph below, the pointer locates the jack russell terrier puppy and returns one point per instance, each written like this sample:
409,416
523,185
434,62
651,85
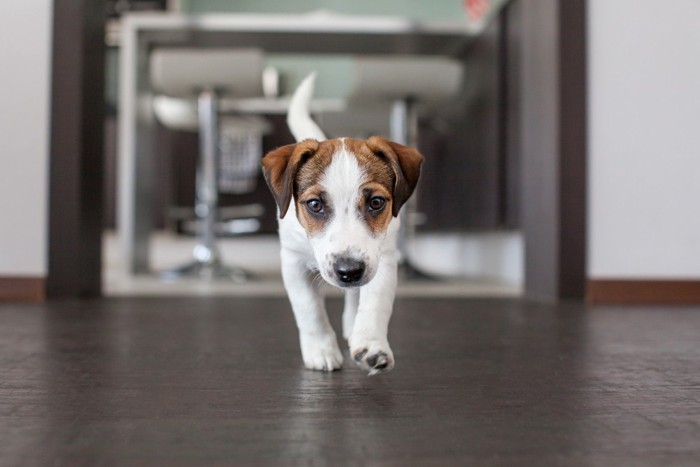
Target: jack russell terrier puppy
338,205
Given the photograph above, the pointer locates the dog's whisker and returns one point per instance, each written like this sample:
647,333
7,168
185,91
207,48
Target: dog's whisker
316,279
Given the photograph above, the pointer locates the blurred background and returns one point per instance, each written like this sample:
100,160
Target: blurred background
560,138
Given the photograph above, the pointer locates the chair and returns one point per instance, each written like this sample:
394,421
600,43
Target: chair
207,75
406,82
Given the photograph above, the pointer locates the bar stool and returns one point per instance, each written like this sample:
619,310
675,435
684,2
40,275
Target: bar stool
207,75
406,83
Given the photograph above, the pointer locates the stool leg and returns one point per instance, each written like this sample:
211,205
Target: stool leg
403,127
207,194
207,262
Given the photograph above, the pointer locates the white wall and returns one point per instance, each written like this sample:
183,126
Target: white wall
497,256
25,35
644,193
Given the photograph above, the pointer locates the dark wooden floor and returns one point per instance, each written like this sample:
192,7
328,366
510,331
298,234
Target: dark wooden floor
220,382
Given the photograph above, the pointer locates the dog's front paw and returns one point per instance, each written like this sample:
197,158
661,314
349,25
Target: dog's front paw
321,354
373,356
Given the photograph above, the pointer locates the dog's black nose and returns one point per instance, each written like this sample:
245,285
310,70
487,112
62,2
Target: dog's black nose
349,270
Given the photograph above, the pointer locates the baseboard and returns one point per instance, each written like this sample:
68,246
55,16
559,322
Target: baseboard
643,291
22,289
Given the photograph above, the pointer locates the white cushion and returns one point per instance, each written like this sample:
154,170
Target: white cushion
423,78
185,72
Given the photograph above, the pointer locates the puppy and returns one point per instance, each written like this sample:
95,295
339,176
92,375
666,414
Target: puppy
338,206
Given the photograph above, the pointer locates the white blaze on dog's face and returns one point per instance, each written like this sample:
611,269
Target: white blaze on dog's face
346,193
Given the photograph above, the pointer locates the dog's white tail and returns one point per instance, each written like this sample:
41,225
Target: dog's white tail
299,120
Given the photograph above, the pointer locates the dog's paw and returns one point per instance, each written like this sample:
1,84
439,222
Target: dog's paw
373,357
322,355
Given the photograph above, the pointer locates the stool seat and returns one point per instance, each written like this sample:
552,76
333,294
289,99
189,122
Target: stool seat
425,79
185,72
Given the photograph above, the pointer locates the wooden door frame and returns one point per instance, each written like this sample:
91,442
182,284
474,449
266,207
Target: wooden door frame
76,158
550,50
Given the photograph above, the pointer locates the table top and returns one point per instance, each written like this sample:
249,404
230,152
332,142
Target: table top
317,32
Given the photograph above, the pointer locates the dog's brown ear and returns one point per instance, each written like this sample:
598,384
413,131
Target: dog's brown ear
405,162
280,167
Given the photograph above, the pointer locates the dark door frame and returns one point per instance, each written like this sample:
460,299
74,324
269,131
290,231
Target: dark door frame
76,159
546,45
545,120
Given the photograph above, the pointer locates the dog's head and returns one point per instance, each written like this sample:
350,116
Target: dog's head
345,192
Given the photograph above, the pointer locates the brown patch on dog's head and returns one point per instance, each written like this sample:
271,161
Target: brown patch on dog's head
280,168
310,172
307,187
291,171
405,163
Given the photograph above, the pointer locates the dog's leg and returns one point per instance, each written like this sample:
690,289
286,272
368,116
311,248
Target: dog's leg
352,298
369,346
319,346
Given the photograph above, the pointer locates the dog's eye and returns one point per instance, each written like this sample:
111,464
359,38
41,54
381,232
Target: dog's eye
377,203
314,206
